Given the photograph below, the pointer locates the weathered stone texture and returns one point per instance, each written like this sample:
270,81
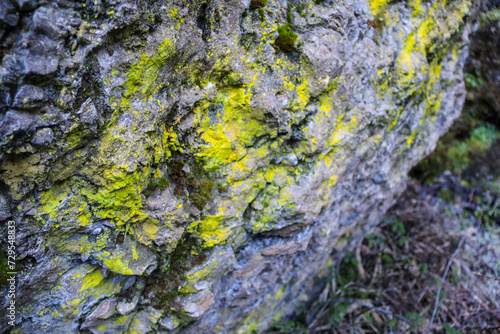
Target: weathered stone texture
171,169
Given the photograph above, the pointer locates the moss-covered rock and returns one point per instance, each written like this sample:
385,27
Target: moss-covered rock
179,159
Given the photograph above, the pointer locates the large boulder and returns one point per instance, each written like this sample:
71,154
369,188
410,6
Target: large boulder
198,166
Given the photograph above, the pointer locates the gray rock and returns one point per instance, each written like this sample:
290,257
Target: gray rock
220,261
144,321
11,69
285,154
40,65
125,308
38,56
170,322
53,22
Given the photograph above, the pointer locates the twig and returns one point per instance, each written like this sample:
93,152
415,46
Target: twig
436,304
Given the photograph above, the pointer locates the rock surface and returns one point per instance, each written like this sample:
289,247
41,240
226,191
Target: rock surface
186,166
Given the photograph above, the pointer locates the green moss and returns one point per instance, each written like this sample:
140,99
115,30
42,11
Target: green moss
473,81
286,38
257,4
177,174
289,17
161,184
166,282
202,195
3,268
447,195
198,182
456,150
483,136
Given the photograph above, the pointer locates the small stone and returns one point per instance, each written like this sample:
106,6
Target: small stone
97,231
32,212
125,308
195,211
107,326
105,310
196,305
40,56
257,205
131,281
88,112
290,160
378,178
